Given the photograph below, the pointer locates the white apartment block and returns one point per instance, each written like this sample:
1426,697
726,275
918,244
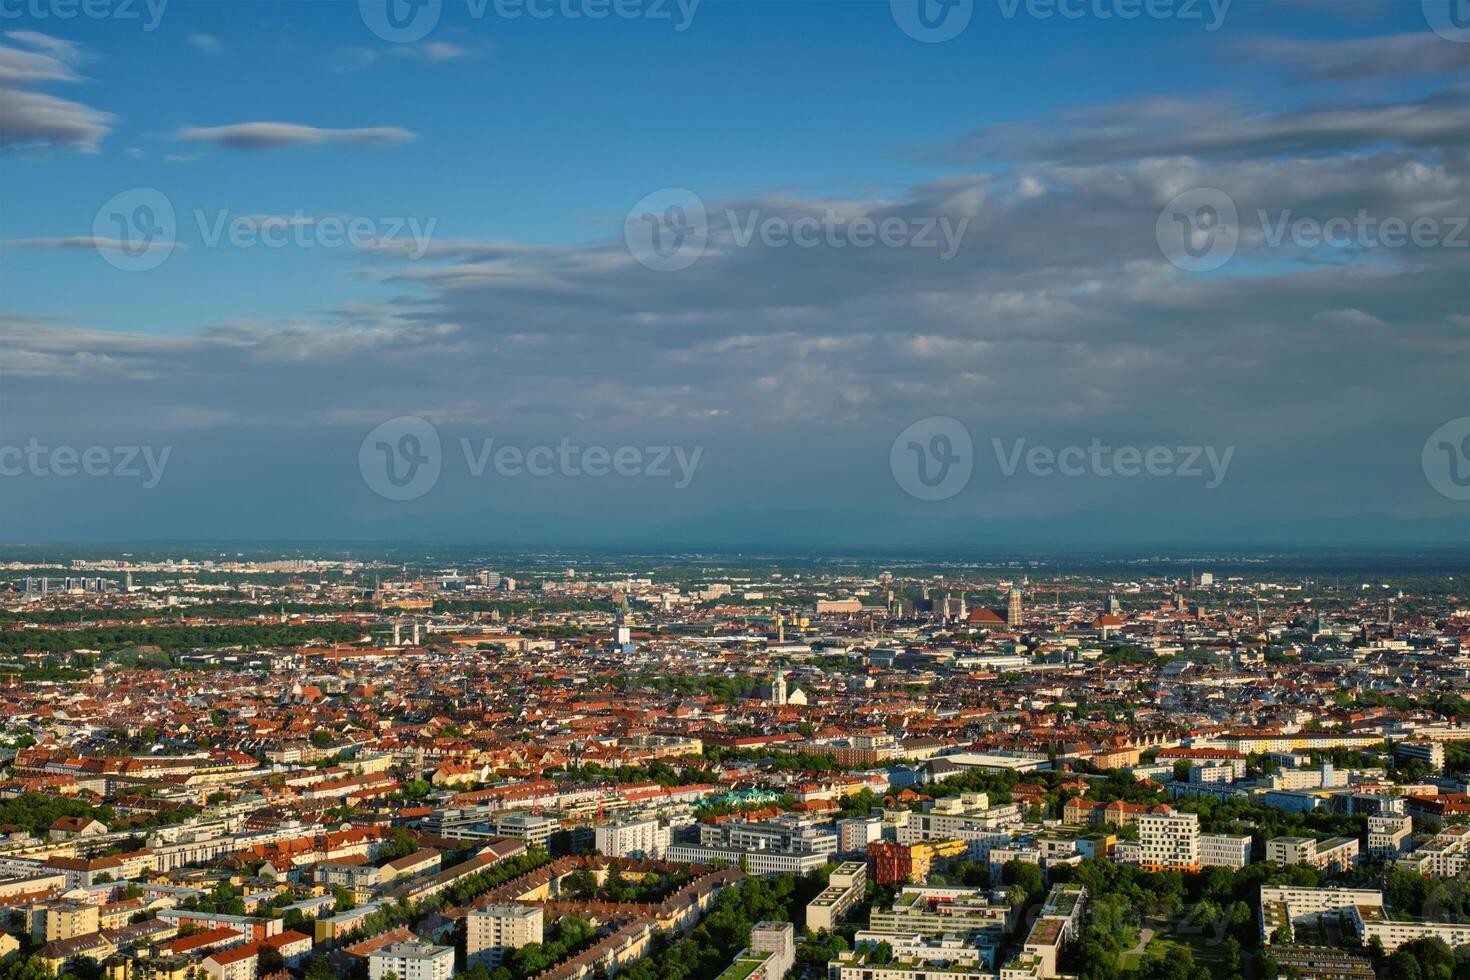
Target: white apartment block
1316,777
999,857
1282,904
856,834
495,930
853,965
529,827
240,963
1442,856
1370,923
1224,850
1168,841
1431,753
1058,924
935,911
412,961
951,822
1212,773
777,942
950,950
844,890
645,838
1388,836
1338,854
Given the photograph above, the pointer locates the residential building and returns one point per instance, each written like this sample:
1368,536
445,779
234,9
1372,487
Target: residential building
1442,856
642,838
1370,923
1168,841
51,921
1224,850
1283,905
892,863
493,931
845,888
412,961
1336,854
855,834
1388,837
235,963
1429,753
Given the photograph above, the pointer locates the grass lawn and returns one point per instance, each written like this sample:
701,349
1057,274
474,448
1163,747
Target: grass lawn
1203,947
741,969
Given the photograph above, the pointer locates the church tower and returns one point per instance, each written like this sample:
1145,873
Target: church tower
1013,608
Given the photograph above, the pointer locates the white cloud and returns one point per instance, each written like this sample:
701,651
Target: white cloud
207,43
29,118
1348,319
273,135
36,119
433,51
87,242
347,60
1058,320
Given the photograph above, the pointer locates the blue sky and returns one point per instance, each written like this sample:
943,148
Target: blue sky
545,131
523,143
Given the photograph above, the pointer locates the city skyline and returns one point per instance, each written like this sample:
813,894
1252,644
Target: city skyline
524,767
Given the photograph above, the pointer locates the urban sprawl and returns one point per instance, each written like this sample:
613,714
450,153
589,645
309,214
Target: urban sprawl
248,766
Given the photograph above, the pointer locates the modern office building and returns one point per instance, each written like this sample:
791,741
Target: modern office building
787,843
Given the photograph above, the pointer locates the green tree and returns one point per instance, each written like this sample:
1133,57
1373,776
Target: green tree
1024,875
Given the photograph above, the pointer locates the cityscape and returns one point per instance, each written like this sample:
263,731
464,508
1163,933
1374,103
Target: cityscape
734,490
243,764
